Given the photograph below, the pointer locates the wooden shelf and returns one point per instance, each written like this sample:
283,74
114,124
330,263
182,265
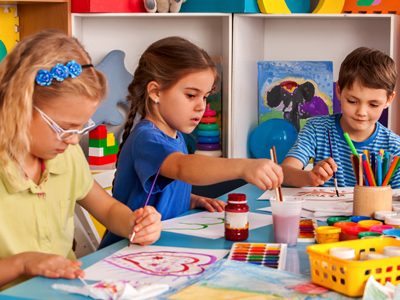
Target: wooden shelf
39,15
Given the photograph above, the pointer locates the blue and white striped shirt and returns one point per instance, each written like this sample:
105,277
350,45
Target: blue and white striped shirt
312,142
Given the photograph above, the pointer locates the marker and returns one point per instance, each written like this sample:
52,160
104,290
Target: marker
385,164
351,145
145,202
391,171
368,179
379,170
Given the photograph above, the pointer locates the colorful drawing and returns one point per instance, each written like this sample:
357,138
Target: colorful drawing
8,34
294,90
163,263
154,264
229,279
314,193
371,7
209,224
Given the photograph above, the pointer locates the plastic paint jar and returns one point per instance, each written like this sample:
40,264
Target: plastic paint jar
396,207
391,251
343,252
356,219
236,218
327,234
381,215
351,233
393,221
342,226
369,223
392,232
368,234
380,228
333,220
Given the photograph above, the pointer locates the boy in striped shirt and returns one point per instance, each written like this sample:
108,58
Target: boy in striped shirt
365,87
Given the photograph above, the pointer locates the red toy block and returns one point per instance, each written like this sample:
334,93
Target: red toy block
100,132
98,161
107,6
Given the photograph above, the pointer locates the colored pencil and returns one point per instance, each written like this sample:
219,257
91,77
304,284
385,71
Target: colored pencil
350,143
390,171
334,173
395,169
147,200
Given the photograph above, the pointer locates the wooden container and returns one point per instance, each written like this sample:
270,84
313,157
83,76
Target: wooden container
369,199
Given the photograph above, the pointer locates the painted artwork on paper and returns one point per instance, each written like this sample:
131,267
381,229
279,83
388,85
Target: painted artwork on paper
237,280
209,224
314,193
294,90
154,264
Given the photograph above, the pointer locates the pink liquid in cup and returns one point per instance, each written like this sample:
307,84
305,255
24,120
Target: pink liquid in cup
286,219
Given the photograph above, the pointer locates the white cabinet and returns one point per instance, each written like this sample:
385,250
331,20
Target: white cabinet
242,40
133,33
298,37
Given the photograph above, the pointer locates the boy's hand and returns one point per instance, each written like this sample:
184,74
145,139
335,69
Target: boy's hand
209,204
49,265
322,172
263,173
147,225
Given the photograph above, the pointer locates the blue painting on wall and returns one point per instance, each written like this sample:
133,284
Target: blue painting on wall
294,90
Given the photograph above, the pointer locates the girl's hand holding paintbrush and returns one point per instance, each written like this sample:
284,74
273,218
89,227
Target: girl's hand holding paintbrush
146,225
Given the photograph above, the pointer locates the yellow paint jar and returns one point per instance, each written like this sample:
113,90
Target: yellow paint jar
327,234
369,223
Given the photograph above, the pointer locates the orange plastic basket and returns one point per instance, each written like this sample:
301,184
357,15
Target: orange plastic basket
349,277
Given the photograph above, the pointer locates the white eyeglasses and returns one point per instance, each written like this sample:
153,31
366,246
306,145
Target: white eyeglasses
62,134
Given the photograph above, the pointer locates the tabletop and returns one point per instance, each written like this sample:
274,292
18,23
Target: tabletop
297,260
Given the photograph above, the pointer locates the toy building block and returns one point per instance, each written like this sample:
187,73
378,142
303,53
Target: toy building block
98,152
110,139
98,143
100,132
111,150
93,160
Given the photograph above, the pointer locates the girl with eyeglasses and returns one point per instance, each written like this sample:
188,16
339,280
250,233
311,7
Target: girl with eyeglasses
48,92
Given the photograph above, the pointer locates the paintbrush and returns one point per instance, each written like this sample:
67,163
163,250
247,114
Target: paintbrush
145,202
334,173
276,161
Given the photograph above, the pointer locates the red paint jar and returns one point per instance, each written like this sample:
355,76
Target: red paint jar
237,218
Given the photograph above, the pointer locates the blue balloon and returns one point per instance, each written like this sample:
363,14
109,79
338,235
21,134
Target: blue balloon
274,132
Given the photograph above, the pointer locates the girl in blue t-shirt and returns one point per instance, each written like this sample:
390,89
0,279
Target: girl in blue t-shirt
169,90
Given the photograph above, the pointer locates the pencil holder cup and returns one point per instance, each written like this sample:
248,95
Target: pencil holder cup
369,199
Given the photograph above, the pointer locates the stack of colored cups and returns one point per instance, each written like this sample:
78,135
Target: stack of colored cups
208,139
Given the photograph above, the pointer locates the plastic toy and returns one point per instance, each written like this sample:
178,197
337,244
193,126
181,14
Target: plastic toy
8,35
208,140
118,79
329,7
274,132
102,148
163,6
371,7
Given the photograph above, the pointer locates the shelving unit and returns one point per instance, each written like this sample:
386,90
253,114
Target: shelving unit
133,33
242,40
258,37
38,15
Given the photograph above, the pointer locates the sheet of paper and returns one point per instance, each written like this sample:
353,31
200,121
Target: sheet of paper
154,264
320,193
210,225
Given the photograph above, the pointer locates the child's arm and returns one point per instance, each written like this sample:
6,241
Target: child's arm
119,218
295,176
204,170
206,203
38,264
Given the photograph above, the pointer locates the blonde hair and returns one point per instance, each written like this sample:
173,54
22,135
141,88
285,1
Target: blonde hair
19,92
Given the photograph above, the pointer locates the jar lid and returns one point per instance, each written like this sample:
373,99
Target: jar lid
391,251
396,207
380,228
357,219
333,220
392,220
343,252
355,230
327,229
369,223
368,234
380,215
373,255
344,224
392,232
237,197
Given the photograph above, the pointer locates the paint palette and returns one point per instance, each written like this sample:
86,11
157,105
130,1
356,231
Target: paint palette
267,255
307,230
